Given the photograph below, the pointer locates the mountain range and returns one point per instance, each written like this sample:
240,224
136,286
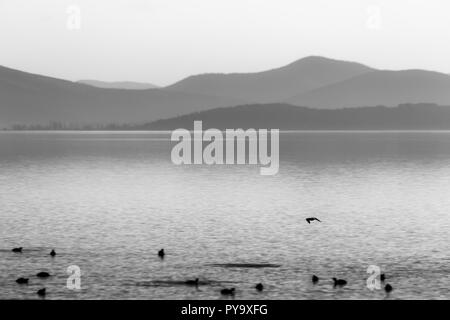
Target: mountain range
274,85
33,99
314,82
130,85
288,117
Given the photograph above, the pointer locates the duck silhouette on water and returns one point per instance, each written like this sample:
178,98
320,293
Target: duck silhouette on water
41,292
227,292
43,274
192,282
259,287
18,250
339,282
53,253
22,281
315,279
161,253
388,288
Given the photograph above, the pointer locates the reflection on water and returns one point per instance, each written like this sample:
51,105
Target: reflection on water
108,202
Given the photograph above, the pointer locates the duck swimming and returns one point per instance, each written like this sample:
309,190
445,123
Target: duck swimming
43,274
22,281
192,282
388,288
339,282
315,279
41,292
227,292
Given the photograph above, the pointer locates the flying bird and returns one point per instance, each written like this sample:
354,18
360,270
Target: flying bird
309,220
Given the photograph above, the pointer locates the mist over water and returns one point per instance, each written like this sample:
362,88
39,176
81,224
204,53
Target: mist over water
107,202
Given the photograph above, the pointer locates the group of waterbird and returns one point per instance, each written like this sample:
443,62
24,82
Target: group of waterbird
260,287
341,282
42,274
195,282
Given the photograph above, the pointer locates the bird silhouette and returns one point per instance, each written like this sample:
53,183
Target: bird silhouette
161,253
19,249
227,292
43,274
192,282
388,288
259,287
22,281
315,279
41,292
339,282
53,253
382,277
309,220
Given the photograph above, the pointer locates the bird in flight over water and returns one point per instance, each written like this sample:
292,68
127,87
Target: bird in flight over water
312,219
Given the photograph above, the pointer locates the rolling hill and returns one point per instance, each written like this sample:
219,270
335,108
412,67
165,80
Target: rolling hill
314,82
275,85
33,99
388,88
289,117
130,85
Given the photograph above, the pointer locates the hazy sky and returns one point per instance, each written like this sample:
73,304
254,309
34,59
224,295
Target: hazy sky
162,41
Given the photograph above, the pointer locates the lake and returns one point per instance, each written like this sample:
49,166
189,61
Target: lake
108,201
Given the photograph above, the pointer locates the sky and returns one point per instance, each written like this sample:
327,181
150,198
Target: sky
163,41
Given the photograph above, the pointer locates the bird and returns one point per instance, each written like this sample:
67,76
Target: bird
41,292
19,249
22,281
192,282
53,253
388,288
382,277
259,287
309,220
339,282
315,279
161,253
227,292
43,274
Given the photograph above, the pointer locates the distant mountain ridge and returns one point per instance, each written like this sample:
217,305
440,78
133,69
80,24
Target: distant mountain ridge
274,85
130,85
289,117
388,88
315,82
33,99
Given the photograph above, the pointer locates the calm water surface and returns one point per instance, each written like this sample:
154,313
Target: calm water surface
108,201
